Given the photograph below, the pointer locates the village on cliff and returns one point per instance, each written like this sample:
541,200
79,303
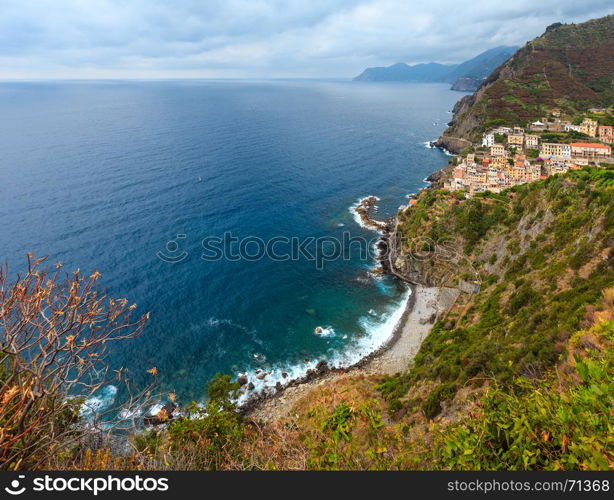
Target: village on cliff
509,156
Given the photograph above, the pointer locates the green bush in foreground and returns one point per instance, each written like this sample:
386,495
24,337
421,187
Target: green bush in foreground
538,426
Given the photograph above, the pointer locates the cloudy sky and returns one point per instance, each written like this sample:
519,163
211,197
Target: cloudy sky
261,38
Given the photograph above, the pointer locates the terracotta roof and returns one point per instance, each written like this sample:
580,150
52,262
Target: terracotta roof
589,145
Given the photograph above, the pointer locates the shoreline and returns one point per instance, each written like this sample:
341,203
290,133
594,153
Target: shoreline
259,401
424,307
362,215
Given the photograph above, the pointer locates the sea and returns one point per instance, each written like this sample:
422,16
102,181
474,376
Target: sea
222,208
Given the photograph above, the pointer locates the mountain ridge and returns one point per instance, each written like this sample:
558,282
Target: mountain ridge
467,75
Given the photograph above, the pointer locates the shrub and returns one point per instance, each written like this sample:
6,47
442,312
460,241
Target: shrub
538,427
432,404
55,335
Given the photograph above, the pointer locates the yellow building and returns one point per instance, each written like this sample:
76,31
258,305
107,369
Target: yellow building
589,127
497,150
555,149
516,140
531,141
499,162
518,173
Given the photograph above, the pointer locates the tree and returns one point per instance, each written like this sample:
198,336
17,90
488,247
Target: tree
55,333
500,138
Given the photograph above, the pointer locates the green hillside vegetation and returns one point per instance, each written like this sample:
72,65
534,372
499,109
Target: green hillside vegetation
543,251
550,424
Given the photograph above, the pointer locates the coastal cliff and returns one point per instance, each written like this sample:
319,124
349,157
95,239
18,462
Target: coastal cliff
467,84
532,258
569,67
447,240
532,270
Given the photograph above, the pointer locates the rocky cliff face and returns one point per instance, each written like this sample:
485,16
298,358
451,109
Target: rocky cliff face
467,84
570,67
445,240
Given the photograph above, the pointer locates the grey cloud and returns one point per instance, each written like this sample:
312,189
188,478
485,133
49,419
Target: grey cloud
261,38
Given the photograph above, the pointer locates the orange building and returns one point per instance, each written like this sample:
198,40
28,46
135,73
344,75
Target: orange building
605,133
590,150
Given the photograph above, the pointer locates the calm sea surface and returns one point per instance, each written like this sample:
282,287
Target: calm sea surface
106,175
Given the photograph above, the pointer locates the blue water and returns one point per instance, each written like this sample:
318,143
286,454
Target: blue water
102,175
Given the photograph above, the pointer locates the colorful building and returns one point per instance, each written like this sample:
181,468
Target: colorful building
516,140
531,141
590,150
559,151
589,127
497,150
605,133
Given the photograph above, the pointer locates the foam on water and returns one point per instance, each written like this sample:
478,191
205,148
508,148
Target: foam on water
356,215
374,333
99,402
324,331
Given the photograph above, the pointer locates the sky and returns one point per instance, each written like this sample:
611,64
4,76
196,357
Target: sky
261,38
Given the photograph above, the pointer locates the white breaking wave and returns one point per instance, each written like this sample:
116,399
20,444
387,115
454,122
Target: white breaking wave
99,402
375,334
155,409
429,145
324,331
356,215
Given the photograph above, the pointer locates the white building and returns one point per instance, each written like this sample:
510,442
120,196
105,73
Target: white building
502,130
488,140
569,126
555,150
531,141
